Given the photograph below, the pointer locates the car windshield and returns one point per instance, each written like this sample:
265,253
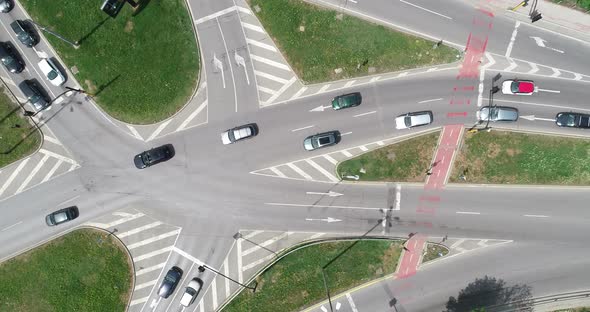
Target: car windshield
52,75
514,87
569,119
170,278
408,121
145,157
7,60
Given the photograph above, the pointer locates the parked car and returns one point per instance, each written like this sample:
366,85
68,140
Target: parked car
574,120
35,94
10,59
415,119
239,133
320,140
155,155
51,72
518,87
25,33
6,6
62,215
170,282
497,113
191,292
347,100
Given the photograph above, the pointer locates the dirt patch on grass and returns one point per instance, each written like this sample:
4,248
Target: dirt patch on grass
512,151
90,86
128,26
494,150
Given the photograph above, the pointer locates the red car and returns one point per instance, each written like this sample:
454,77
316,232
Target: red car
518,87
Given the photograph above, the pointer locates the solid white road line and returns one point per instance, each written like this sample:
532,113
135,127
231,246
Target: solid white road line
214,292
150,269
468,212
425,9
13,175
536,216
192,116
51,172
322,206
364,114
226,272
299,171
261,45
270,77
239,257
33,173
299,129
551,91
139,229
544,105
270,62
509,48
426,101
153,239
215,15
11,226
322,170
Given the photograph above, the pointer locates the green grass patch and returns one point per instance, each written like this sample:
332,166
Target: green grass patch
515,158
434,251
296,280
81,271
143,68
582,5
406,161
330,41
18,138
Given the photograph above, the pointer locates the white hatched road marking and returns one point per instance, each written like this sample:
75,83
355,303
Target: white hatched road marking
282,89
323,88
534,68
13,175
58,156
330,159
577,76
33,173
52,140
253,27
261,45
265,243
153,239
144,285
374,79
490,62
158,130
119,221
252,234
352,306
277,172
363,148
244,10
139,229
316,235
267,90
298,93
271,77
226,272
301,173
401,75
122,214
72,167
350,83
270,62
215,15
431,69
134,132
150,269
511,66
457,243
322,170
138,301
51,172
346,153
192,116
239,255
257,262
556,72
152,254
380,143
214,292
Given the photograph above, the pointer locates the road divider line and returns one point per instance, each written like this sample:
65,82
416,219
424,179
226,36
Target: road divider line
303,128
425,9
468,212
364,114
323,206
536,216
546,90
511,44
432,100
11,226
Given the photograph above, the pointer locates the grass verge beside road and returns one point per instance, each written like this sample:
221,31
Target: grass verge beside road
330,41
295,281
516,158
406,161
18,138
85,270
434,251
582,5
143,68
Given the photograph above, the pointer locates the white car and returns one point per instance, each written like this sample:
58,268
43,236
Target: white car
518,87
51,72
239,133
415,119
191,292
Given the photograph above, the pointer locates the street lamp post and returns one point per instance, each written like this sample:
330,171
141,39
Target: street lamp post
45,29
203,266
32,114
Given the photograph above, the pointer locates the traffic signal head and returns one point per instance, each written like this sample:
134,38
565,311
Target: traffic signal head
535,16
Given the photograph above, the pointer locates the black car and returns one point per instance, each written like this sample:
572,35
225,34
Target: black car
6,6
154,156
35,94
574,120
347,100
25,33
62,215
10,59
170,282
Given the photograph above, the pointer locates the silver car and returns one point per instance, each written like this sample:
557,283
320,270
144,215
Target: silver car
415,119
497,113
320,140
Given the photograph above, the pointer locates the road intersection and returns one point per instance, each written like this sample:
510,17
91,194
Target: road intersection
186,211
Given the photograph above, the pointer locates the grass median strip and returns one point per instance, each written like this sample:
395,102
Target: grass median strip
18,138
295,281
81,271
582,5
406,161
143,68
434,251
515,158
318,42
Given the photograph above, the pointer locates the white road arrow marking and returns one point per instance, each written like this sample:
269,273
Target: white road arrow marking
328,219
546,90
241,62
541,42
330,193
532,118
219,66
320,108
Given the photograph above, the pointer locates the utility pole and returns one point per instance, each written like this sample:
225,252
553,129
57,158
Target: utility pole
203,266
32,114
45,29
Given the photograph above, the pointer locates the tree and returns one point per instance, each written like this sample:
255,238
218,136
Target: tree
489,294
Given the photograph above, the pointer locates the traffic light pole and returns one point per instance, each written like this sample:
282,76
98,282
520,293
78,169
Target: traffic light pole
32,114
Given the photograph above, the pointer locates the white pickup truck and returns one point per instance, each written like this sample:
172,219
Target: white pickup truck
239,133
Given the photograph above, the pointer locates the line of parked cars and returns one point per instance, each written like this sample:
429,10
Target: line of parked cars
171,280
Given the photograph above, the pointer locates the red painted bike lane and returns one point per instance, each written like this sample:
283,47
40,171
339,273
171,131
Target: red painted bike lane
445,154
411,256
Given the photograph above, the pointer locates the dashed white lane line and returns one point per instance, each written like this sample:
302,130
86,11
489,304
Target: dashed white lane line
322,170
299,171
270,77
33,173
303,128
13,175
468,212
158,130
192,116
11,226
550,91
150,269
261,45
277,172
139,229
269,62
153,239
52,171
365,114
432,100
425,9
536,216
511,44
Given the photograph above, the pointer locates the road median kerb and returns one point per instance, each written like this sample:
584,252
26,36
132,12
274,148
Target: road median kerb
301,245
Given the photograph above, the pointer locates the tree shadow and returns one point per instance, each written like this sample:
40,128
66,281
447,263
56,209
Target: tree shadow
141,4
92,31
10,114
104,86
